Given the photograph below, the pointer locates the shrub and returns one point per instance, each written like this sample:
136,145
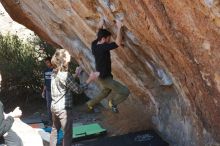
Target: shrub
21,65
21,68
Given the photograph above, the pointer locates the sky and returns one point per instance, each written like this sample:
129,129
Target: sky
8,25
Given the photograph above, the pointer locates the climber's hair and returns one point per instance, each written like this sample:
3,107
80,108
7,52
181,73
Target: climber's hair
59,60
103,33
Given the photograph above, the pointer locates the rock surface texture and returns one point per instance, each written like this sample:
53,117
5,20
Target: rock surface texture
170,60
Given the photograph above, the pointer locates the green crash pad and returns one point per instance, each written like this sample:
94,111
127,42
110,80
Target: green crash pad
87,131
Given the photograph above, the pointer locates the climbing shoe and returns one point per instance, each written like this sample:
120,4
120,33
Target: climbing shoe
90,109
110,104
114,109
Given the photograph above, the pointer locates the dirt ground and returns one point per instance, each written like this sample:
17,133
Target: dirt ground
127,120
131,118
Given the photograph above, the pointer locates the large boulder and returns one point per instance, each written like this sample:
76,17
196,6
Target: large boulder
28,135
169,60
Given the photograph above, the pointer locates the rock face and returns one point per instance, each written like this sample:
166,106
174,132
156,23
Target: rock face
169,60
7,25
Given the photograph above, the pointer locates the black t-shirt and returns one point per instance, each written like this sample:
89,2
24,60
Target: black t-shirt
103,57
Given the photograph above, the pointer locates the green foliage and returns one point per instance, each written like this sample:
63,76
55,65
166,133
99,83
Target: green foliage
21,65
21,68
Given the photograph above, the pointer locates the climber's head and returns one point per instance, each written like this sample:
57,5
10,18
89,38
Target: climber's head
47,61
104,36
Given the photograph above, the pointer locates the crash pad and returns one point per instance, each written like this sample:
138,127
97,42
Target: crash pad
87,131
81,132
59,134
26,133
143,138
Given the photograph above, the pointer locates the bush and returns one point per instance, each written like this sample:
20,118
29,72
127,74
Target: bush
21,66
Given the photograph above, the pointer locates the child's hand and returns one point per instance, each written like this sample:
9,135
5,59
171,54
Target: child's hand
78,71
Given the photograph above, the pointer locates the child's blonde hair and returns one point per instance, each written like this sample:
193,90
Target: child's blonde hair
59,61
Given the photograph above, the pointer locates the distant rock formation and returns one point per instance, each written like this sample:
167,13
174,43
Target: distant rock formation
7,25
170,60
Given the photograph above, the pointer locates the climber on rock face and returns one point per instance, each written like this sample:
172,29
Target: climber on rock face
101,48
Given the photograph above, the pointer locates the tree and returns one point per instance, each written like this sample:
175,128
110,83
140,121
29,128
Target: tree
21,66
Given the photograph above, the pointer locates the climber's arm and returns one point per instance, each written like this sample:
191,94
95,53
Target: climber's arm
102,24
118,40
